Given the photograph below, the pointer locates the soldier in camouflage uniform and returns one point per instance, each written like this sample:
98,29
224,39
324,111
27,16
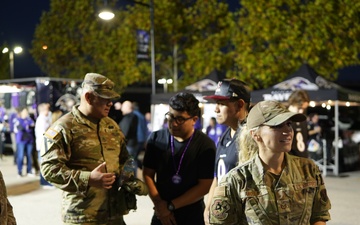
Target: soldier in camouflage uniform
6,210
270,186
84,154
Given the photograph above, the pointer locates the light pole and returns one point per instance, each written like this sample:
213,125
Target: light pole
16,50
107,14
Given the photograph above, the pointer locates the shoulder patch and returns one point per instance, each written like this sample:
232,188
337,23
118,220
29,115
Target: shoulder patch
51,133
220,208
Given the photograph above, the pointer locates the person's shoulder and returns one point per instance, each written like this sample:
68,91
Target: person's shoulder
65,121
160,133
159,136
139,114
109,120
242,173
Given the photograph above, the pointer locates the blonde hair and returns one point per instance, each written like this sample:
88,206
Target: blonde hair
247,145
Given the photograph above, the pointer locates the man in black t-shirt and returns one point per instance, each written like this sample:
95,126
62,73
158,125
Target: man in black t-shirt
182,160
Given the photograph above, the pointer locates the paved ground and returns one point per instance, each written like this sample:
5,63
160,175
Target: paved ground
36,206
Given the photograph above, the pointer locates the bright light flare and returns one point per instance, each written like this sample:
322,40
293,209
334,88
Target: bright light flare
5,50
18,50
106,15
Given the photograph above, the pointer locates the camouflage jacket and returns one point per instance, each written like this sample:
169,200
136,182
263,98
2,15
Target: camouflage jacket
73,147
249,195
6,210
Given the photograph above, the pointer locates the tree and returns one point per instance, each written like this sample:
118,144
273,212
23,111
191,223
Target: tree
258,43
189,36
274,38
71,41
78,42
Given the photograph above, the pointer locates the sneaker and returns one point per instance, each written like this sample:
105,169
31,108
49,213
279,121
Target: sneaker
30,175
19,176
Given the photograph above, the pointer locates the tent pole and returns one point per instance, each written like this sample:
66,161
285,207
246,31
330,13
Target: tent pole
336,170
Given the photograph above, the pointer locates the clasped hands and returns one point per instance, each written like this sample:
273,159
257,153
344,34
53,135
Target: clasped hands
163,214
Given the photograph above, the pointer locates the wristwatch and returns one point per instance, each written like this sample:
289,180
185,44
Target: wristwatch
171,206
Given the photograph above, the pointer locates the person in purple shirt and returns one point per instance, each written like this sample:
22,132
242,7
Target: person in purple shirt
12,119
25,140
215,130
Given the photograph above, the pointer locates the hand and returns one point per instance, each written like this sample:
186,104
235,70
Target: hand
163,214
98,178
168,220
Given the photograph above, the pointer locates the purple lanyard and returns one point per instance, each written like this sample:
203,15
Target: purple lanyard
182,156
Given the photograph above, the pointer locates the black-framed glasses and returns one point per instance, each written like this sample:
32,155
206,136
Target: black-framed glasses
178,119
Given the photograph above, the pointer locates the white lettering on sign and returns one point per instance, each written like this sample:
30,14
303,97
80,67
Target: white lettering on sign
277,96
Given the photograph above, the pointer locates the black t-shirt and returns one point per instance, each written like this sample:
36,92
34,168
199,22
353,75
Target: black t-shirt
299,145
197,163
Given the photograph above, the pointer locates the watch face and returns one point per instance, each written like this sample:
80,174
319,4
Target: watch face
171,207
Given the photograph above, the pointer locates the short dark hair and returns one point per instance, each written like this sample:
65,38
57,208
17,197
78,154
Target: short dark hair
185,102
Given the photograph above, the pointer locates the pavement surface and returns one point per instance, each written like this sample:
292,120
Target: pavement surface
34,205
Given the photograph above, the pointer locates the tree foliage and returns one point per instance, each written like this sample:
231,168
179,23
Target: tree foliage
259,43
78,42
274,38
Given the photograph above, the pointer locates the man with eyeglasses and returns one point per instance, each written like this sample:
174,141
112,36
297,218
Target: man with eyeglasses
182,160
85,152
232,98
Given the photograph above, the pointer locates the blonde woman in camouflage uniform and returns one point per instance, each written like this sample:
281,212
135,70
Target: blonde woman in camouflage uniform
270,186
85,151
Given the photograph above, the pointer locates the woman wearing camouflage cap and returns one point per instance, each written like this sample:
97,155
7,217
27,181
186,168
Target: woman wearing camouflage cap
270,186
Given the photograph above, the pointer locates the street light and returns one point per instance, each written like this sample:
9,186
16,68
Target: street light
16,50
165,82
107,14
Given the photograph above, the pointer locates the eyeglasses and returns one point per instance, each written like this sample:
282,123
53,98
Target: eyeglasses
178,119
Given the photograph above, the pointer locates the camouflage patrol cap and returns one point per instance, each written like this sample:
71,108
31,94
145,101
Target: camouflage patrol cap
271,113
101,85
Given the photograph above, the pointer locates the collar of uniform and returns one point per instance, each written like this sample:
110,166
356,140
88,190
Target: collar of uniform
81,118
259,170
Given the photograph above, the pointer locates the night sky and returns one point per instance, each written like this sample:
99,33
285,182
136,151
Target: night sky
19,18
